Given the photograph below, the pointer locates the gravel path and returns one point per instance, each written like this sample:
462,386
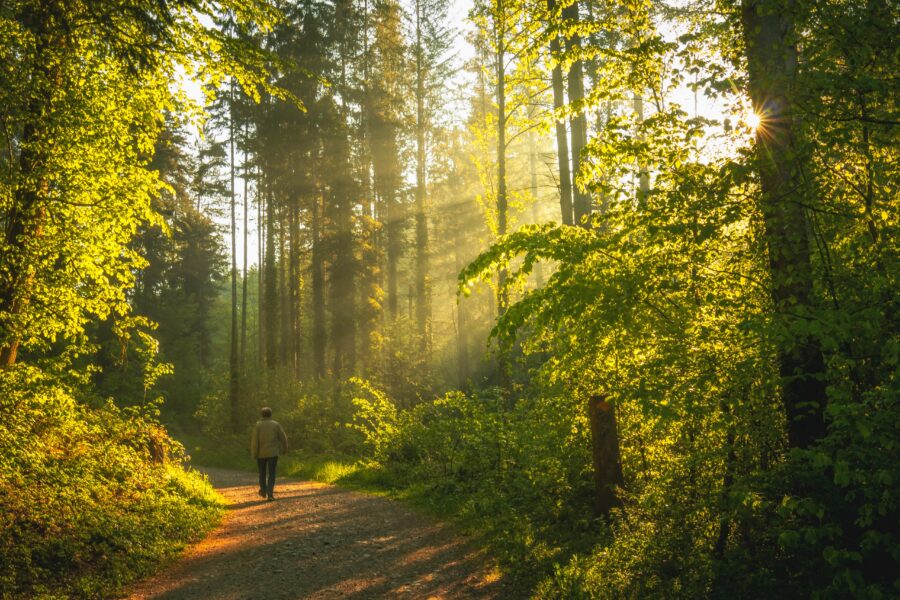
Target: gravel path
319,541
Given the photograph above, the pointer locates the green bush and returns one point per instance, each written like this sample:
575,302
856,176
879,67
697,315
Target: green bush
519,476
706,512
90,498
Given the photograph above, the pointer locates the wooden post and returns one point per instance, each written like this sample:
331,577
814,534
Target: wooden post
607,464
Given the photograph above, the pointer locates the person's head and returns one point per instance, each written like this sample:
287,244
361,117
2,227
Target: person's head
266,412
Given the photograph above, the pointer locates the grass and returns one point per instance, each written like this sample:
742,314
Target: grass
231,452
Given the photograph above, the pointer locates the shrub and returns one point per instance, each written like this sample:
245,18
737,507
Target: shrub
90,498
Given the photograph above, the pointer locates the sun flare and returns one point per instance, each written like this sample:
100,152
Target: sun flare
753,120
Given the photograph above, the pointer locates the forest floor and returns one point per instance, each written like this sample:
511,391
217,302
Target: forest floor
320,541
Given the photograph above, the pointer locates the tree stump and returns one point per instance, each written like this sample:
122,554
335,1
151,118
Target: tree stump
607,463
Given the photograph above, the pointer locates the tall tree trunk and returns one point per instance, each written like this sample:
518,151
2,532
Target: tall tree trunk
392,233
772,63
504,367
260,279
369,313
462,325
295,341
370,305
532,166
285,284
271,281
243,357
562,140
578,122
235,382
318,291
423,299
727,483
341,279
24,221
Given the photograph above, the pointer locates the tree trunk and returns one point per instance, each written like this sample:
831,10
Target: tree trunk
243,357
423,300
25,222
271,283
607,464
294,344
285,243
772,64
532,166
504,368
318,292
260,278
578,123
562,140
25,219
392,233
341,280
234,380
370,312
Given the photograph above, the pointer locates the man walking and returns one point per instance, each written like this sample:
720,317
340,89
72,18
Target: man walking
266,444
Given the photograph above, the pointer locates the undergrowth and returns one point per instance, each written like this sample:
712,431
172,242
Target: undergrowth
91,498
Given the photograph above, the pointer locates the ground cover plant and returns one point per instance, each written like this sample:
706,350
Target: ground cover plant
92,498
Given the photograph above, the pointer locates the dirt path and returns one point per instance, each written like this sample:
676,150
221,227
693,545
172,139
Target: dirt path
319,541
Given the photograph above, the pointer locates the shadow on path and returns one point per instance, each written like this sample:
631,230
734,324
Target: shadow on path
318,541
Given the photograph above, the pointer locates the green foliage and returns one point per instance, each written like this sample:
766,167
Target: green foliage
665,306
83,99
90,498
524,488
376,418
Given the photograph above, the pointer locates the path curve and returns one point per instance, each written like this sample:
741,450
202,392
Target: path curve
320,541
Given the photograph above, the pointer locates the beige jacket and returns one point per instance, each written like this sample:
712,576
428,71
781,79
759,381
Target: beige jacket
268,439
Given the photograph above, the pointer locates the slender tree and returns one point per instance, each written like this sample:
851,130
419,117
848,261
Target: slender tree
234,362
578,122
562,140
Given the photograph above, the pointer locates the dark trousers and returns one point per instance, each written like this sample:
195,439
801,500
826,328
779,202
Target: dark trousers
267,474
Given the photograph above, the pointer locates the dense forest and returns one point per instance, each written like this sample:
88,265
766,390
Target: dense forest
614,284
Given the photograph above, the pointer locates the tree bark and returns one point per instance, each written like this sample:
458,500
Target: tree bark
25,219
504,368
243,357
284,283
772,64
318,292
271,283
260,289
605,445
391,229
423,299
562,140
294,344
341,279
532,167
578,123
234,379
